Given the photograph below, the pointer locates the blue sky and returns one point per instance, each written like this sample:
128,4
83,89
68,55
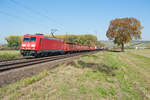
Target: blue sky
19,17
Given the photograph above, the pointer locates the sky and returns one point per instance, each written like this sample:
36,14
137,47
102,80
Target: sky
19,17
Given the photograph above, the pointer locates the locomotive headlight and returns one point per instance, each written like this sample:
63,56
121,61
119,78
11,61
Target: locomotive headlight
23,45
33,45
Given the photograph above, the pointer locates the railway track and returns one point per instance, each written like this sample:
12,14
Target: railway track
28,62
10,60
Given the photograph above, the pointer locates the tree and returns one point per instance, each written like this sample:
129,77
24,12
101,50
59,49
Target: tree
13,41
123,30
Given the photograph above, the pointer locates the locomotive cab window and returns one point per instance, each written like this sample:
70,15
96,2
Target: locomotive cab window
33,39
29,39
26,39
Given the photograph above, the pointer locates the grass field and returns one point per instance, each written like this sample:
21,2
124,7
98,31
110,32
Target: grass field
9,54
102,76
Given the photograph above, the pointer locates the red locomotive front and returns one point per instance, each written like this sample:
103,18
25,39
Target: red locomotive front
30,45
39,45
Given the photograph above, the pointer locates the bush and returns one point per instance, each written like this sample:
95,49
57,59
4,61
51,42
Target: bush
14,42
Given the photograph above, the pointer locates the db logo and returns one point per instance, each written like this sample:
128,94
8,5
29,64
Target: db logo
28,45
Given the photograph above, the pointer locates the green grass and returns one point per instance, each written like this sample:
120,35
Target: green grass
9,54
141,57
103,92
105,75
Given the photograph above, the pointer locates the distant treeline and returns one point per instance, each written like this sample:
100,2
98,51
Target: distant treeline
14,41
86,39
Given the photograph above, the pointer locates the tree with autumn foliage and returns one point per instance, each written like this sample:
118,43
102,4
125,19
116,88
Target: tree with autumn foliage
123,30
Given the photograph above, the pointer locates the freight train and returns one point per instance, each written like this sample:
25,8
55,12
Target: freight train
39,45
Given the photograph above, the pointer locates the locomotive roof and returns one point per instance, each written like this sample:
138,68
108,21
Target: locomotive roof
52,38
39,35
33,35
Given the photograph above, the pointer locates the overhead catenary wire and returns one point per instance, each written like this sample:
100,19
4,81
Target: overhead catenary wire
16,17
36,12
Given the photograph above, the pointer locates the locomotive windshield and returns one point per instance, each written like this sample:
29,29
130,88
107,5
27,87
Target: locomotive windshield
29,39
26,39
33,39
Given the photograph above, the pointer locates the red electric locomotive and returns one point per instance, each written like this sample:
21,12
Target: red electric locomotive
37,45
